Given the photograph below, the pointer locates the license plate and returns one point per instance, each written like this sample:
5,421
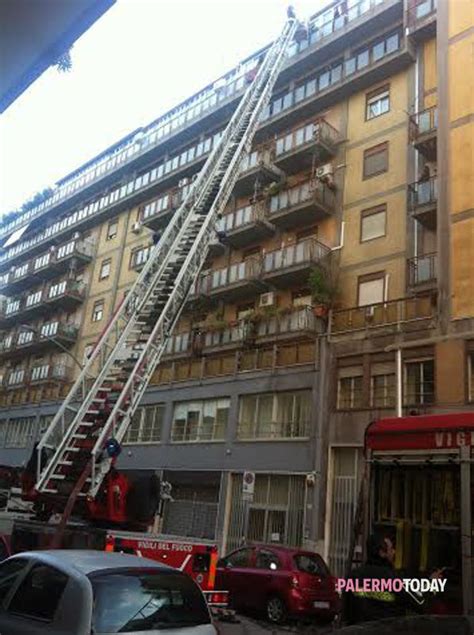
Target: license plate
321,605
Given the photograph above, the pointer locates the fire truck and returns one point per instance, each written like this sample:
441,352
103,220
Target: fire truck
418,487
73,469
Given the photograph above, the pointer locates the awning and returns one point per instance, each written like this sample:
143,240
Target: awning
430,432
15,236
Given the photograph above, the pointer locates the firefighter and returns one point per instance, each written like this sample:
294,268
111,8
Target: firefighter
365,606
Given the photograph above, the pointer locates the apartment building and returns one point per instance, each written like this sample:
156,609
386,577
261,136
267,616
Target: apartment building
346,240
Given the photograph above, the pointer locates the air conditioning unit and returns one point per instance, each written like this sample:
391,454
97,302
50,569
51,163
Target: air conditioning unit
267,299
325,171
136,228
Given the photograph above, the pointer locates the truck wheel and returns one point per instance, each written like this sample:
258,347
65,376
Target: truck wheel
276,610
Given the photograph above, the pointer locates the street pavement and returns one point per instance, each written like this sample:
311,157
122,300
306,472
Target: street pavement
254,626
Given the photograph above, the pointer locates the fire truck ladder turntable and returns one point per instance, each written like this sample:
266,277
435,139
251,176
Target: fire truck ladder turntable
131,346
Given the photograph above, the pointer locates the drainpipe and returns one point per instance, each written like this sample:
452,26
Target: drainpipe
399,380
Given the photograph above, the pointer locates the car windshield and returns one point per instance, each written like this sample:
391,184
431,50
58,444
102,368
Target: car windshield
309,563
127,602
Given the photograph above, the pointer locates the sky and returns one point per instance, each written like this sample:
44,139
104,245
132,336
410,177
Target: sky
141,58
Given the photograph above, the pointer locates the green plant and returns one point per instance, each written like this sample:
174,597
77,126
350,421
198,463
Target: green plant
323,289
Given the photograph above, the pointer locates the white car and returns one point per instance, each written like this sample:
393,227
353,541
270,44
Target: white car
97,593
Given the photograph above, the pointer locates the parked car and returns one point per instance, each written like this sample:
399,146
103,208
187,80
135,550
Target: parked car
281,581
83,592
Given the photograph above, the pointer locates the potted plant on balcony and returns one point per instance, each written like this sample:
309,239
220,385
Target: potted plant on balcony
323,291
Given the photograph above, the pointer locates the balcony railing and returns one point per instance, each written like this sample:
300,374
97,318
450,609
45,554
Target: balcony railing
321,26
49,372
17,340
422,194
246,225
132,188
422,129
302,204
421,10
318,136
234,275
306,252
422,269
392,313
340,72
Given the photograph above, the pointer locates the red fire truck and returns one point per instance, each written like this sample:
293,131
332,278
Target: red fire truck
418,487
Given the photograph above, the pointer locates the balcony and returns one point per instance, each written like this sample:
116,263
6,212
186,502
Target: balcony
256,168
301,148
303,204
423,127
405,314
422,272
37,340
421,19
386,56
422,201
290,324
66,294
132,192
235,282
292,265
246,225
49,373
156,213
48,265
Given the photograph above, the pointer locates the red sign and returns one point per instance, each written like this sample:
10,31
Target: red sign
429,432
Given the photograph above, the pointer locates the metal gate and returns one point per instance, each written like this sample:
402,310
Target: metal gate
190,518
343,506
274,515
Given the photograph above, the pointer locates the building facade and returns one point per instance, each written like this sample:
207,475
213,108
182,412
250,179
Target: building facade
355,198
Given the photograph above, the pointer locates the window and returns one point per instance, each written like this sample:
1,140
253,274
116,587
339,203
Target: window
373,223
154,601
9,574
267,560
20,432
112,229
419,382
284,415
200,420
375,160
98,311
105,269
371,289
240,558
312,564
377,103
350,388
382,387
40,592
146,425
139,256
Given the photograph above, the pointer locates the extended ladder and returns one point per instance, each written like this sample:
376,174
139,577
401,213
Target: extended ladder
104,397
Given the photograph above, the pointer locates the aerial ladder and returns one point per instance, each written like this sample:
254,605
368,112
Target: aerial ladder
73,456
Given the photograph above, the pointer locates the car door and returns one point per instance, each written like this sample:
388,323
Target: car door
35,608
232,575
266,576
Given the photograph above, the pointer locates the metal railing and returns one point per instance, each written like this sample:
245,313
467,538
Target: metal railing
423,122
49,372
243,216
310,191
420,11
320,131
422,269
382,314
245,271
306,251
423,193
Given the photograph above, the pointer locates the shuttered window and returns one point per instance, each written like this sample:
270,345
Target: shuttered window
371,289
375,160
373,223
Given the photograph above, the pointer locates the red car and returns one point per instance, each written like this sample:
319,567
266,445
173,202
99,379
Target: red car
285,582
